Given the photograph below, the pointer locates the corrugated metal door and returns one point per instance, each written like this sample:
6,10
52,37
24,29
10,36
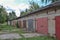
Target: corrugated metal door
30,25
19,23
58,27
14,23
42,25
24,23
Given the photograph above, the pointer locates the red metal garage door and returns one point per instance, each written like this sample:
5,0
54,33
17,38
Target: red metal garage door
42,25
58,27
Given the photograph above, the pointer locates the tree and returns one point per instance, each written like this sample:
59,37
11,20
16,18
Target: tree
24,12
34,6
46,1
3,14
12,15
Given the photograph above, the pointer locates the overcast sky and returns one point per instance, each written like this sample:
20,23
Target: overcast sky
16,5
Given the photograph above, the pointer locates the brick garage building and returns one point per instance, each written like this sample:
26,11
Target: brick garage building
45,20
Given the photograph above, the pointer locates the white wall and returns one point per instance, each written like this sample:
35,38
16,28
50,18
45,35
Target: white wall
51,23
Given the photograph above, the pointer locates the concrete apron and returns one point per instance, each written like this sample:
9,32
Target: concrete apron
28,35
10,36
17,36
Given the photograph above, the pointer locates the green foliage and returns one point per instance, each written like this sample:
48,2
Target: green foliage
24,12
33,6
12,15
5,27
3,14
54,0
10,29
46,1
37,38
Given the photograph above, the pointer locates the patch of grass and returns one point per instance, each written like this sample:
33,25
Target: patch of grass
6,27
38,38
10,29
19,31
